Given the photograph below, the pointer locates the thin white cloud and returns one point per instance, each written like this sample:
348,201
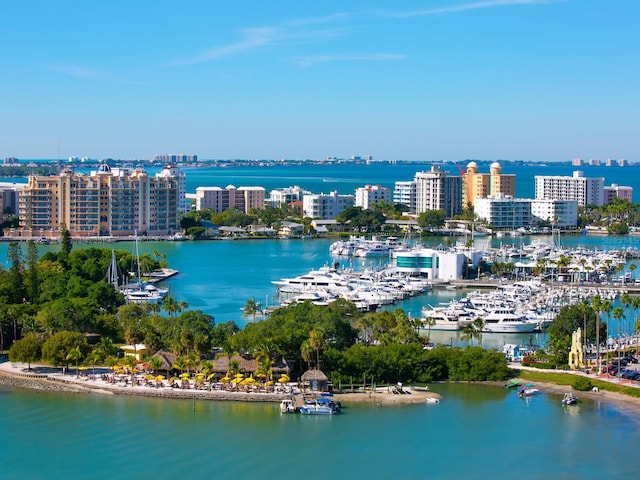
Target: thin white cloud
312,60
464,7
74,71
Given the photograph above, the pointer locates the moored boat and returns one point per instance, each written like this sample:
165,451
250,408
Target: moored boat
569,399
320,406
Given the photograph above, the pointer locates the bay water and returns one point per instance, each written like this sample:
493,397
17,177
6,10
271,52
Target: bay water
476,431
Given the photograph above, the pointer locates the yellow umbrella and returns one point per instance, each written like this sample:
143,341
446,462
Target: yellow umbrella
248,381
185,376
239,376
82,368
261,375
269,383
160,378
225,380
284,379
211,376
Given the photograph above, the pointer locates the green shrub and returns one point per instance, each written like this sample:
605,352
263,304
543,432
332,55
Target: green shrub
582,384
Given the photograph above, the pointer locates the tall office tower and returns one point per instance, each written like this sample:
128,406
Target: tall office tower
435,190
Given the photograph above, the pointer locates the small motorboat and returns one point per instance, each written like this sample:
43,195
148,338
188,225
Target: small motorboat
569,399
510,385
287,406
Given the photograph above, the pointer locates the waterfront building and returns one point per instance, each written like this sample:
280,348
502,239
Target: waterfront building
475,185
107,202
404,193
433,263
501,183
10,197
290,229
610,163
622,162
576,187
284,196
481,185
616,191
181,178
326,206
577,162
594,162
220,199
369,195
436,190
561,213
504,211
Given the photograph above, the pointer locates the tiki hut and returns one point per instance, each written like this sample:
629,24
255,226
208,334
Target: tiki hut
315,380
168,359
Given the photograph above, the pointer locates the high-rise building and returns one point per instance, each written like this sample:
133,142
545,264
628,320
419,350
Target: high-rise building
577,162
173,158
404,193
577,187
501,183
504,211
369,195
436,190
475,185
220,199
181,178
107,202
481,185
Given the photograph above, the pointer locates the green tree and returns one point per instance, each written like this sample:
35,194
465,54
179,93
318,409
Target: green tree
75,355
56,348
431,219
26,350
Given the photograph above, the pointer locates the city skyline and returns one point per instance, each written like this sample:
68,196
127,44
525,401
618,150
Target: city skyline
533,80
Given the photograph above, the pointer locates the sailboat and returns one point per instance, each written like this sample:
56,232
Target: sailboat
141,292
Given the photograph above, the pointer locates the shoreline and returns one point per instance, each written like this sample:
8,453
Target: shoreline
19,379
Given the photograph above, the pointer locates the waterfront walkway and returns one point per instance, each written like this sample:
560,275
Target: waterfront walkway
594,376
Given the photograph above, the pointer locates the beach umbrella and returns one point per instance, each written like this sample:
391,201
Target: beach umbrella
225,380
268,384
184,376
160,378
211,376
284,379
248,381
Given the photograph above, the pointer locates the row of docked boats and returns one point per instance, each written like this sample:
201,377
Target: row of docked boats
367,289
519,307
365,248
317,406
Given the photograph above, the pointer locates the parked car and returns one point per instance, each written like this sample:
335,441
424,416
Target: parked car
629,374
630,359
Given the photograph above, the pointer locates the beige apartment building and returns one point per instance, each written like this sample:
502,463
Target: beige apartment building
106,203
481,185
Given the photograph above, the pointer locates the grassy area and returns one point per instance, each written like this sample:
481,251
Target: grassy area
568,379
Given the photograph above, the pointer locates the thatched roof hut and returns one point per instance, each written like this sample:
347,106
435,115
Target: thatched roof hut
168,359
315,379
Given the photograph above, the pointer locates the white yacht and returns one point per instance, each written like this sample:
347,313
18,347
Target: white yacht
503,319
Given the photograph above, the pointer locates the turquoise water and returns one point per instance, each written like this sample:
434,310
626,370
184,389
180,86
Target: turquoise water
475,432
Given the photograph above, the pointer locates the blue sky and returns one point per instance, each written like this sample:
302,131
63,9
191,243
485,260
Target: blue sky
545,80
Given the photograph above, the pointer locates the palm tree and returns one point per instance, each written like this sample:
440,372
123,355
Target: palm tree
251,308
155,363
316,339
75,355
170,305
606,308
584,308
618,314
306,352
625,300
429,321
469,332
635,303
479,324
632,269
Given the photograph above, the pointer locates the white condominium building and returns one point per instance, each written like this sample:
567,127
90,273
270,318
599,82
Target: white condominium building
404,193
282,196
585,191
436,190
561,213
173,171
369,195
504,212
220,199
326,206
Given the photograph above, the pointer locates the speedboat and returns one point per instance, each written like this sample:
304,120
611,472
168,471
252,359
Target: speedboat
528,391
569,399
